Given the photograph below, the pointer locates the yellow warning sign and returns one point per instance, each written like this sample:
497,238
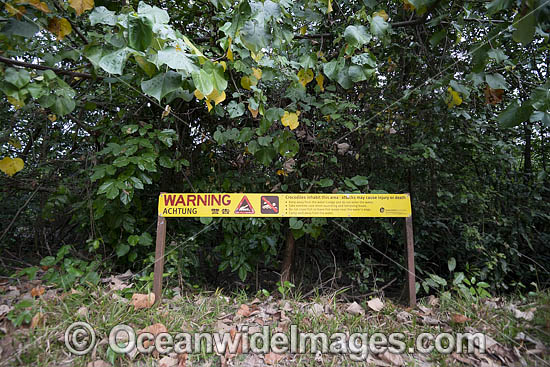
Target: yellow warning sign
284,205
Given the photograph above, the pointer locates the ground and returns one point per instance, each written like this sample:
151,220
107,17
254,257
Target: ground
34,317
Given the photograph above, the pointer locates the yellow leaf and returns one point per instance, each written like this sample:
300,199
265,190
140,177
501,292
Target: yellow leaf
253,112
216,96
80,6
15,143
246,83
229,52
382,14
257,73
15,12
305,76
320,80
209,105
198,94
327,118
11,166
329,7
195,50
40,5
166,111
290,119
303,30
16,103
222,63
60,27
256,57
282,172
454,98
52,117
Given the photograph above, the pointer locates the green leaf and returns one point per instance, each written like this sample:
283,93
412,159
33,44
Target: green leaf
154,14
140,32
102,15
122,249
360,180
451,264
356,36
356,73
109,188
145,239
496,81
438,280
203,82
265,155
543,117
254,36
540,97
274,114
16,27
17,77
295,223
378,26
162,84
113,63
498,5
176,59
235,109
325,182
525,29
48,261
133,240
514,115
63,106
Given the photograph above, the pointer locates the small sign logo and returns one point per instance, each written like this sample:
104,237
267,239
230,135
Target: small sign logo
244,207
270,205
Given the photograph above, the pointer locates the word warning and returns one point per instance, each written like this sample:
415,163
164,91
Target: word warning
284,205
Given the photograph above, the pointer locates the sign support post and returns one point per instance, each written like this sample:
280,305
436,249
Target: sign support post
410,260
159,258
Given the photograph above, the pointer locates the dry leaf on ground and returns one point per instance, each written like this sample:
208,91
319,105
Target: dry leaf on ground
460,319
37,291
168,362
244,311
142,300
273,358
376,304
355,309
394,359
99,363
37,320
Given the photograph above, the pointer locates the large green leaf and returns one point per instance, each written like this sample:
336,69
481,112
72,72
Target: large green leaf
162,84
356,36
102,15
498,5
496,81
254,36
543,117
154,14
114,62
217,75
140,32
63,105
176,59
378,26
514,115
203,82
16,27
525,29
540,97
17,77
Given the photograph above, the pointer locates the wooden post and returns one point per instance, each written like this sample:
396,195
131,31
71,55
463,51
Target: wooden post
159,257
410,260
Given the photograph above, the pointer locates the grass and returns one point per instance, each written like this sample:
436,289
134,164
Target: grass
201,312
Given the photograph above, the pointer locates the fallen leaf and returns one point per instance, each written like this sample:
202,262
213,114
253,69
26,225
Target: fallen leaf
342,148
273,358
168,362
4,310
355,309
80,6
316,309
460,319
142,300
375,304
243,311
82,311
393,359
154,329
99,363
37,320
37,291
182,359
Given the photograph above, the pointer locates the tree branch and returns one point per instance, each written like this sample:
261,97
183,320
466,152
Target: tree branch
28,65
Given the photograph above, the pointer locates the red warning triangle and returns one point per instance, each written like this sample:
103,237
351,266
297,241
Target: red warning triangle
244,207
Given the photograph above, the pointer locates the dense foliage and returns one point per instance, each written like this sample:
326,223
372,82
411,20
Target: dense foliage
105,105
